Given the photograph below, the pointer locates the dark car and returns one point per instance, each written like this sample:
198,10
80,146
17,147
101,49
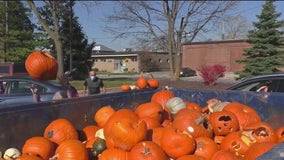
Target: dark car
15,90
268,83
187,72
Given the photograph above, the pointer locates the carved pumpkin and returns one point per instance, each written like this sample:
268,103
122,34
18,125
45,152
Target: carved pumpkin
60,130
193,122
236,143
41,65
177,143
103,114
147,150
71,149
39,146
261,132
245,114
223,122
153,82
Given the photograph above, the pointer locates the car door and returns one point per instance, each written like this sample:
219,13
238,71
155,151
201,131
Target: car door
17,92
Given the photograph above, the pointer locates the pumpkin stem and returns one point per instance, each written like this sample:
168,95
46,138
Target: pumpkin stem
200,119
146,150
151,75
55,157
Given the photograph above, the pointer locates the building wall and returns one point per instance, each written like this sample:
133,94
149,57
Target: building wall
196,55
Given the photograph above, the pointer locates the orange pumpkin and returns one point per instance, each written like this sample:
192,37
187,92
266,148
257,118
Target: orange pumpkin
257,149
191,157
118,115
223,122
177,143
224,155
39,146
245,114
141,82
261,132
236,143
162,96
280,134
29,157
156,134
205,147
125,87
193,122
41,65
147,150
103,114
151,122
153,82
126,132
90,131
71,149
150,109
60,130
113,153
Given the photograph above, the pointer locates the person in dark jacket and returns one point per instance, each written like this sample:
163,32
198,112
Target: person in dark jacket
93,84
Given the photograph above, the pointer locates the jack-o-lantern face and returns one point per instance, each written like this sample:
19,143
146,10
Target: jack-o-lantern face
223,122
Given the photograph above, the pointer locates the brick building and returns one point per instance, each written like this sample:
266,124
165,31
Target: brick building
108,60
197,54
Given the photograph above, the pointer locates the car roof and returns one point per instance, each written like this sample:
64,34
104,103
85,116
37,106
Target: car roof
29,78
270,76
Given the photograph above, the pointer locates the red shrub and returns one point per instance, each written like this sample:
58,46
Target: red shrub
210,74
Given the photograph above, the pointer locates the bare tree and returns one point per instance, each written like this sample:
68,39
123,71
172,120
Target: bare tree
171,19
53,31
234,27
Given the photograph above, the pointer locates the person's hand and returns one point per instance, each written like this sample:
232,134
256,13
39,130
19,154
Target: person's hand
34,90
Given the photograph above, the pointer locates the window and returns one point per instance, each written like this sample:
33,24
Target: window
160,61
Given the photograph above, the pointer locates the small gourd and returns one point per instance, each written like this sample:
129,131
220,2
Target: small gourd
175,104
11,153
98,147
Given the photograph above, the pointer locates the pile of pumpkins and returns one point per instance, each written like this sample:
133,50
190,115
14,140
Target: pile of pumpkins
164,128
142,83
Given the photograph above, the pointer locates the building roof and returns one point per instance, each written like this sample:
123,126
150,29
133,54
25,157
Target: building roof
101,48
220,41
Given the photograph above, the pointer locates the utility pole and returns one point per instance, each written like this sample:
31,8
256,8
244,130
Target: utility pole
70,32
6,29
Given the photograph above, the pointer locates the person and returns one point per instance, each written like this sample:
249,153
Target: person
93,84
71,91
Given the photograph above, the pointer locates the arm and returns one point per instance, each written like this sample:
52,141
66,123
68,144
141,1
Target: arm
85,88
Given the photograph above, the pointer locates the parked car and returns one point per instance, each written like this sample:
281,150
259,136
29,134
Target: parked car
15,90
269,83
187,72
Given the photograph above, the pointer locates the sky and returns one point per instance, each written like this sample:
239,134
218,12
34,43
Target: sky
92,20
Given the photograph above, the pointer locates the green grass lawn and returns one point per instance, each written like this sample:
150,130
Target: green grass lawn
78,84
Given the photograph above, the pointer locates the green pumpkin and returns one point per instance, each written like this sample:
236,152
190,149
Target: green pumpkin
98,147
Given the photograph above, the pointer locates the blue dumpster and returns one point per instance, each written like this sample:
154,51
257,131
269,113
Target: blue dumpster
22,122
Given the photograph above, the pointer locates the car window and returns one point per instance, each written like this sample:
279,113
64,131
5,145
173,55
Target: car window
23,87
281,86
254,86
